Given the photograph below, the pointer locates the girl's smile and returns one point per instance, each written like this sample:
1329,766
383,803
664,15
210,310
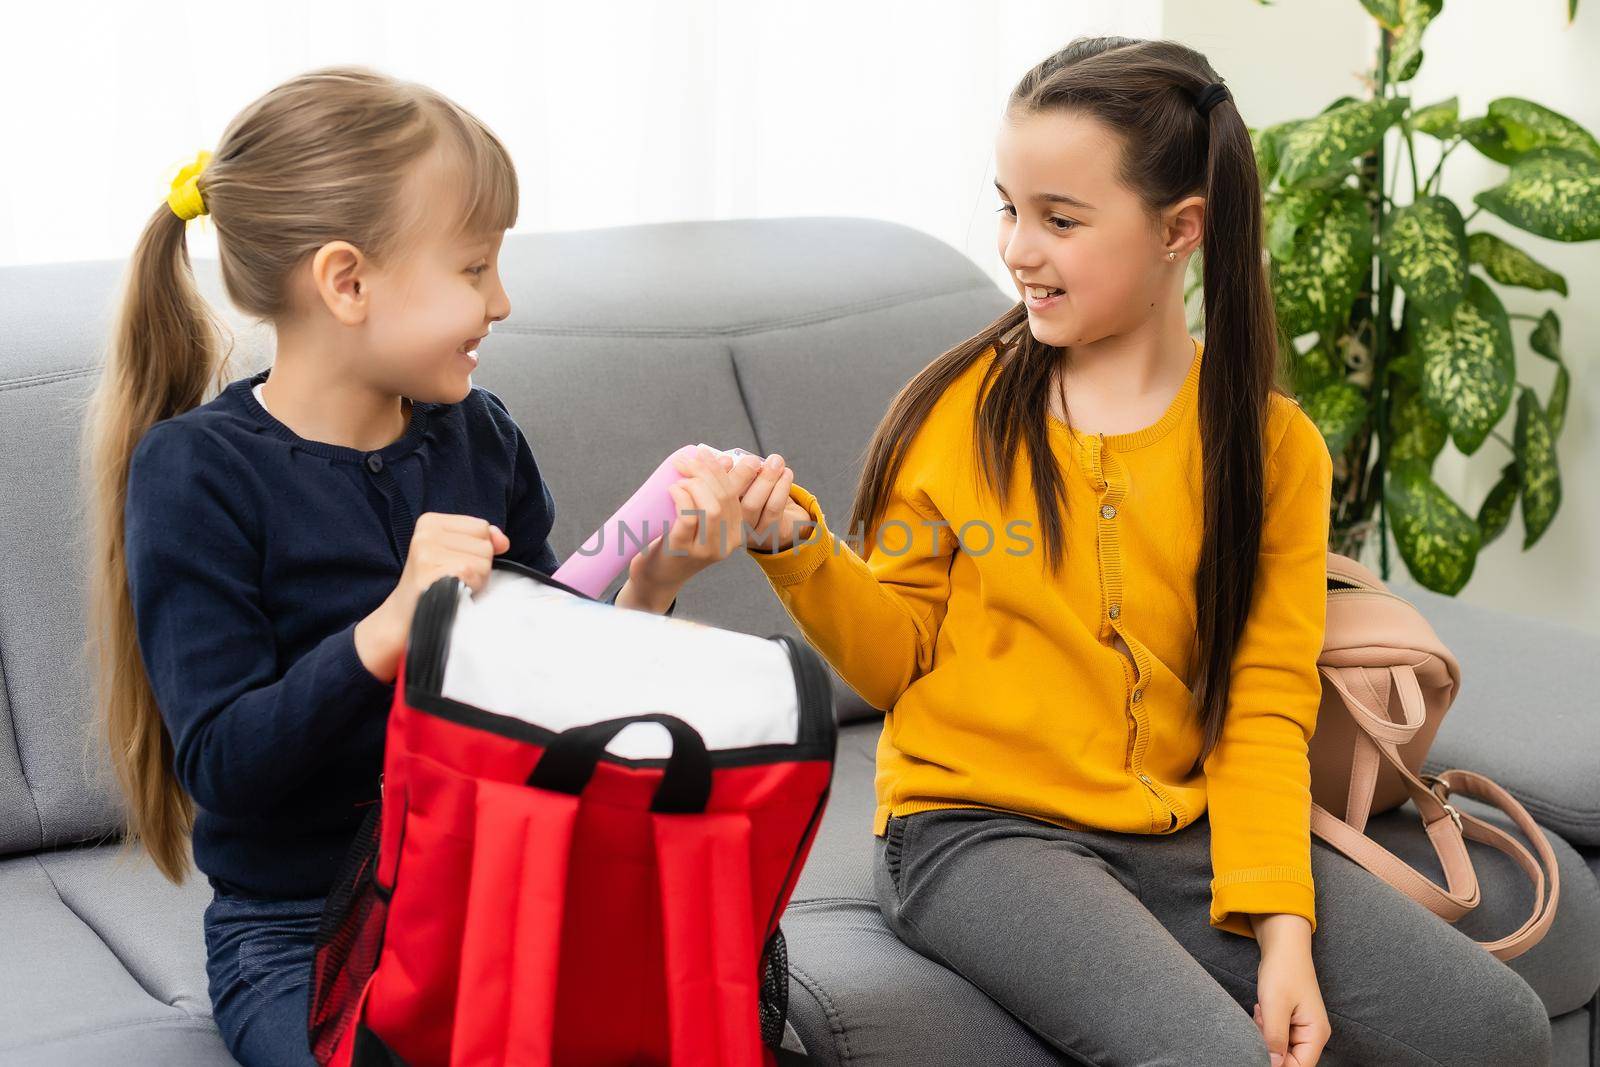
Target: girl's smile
1037,300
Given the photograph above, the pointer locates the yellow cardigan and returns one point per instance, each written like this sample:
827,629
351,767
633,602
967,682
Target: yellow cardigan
1003,685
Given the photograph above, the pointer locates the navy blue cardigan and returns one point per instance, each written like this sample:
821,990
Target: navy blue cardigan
252,554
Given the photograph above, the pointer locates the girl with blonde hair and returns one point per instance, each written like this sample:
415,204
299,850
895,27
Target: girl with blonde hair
257,555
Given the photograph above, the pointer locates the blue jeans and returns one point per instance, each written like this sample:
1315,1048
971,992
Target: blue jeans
258,966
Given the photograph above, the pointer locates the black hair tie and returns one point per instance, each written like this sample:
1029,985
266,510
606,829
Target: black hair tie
1210,97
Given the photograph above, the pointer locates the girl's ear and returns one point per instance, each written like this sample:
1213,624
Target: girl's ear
1184,225
339,275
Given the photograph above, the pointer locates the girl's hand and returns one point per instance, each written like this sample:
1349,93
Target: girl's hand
1289,1012
773,519
441,545
707,528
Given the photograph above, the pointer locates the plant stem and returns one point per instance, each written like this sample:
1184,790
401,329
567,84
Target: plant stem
1411,157
1498,436
1433,179
1394,170
1470,217
1380,335
1522,315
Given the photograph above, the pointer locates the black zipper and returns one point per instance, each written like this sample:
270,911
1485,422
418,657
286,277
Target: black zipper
807,842
456,711
818,727
427,644
817,722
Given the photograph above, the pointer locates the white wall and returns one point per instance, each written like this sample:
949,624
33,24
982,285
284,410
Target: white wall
1292,59
619,113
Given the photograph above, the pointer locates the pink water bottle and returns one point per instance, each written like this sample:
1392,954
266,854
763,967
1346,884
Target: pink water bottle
642,519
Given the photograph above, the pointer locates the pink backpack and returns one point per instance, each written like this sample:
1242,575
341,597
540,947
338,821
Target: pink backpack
1378,652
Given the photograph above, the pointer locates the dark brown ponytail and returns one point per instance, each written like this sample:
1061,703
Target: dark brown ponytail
1145,92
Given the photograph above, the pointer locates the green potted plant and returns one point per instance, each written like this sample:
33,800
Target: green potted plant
1396,339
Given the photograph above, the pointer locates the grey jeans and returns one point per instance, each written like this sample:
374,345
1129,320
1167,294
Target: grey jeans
1100,943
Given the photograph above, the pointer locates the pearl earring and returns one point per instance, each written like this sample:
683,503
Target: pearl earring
1172,255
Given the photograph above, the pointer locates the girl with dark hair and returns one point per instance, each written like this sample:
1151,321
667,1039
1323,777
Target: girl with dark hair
1093,791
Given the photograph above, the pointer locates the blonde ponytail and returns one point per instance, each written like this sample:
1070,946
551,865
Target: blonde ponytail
279,186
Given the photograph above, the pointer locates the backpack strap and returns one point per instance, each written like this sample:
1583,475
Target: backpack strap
1479,787
712,958
1446,826
516,900
517,892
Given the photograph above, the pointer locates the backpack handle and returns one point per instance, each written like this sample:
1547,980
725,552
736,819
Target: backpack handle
569,762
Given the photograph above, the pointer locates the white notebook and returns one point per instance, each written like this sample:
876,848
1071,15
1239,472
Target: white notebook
533,652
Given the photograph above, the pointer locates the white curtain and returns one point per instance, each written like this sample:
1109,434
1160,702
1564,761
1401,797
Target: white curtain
615,113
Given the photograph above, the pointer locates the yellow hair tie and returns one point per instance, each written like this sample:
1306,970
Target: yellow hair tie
184,199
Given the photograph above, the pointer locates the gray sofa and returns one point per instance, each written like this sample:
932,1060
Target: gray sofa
784,335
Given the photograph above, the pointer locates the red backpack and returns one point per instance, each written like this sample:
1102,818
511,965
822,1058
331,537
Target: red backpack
522,895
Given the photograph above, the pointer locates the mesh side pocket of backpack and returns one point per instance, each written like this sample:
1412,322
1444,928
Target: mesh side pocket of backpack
348,940
774,993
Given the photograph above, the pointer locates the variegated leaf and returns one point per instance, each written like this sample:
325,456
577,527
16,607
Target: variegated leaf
1528,126
1511,127
1510,265
1495,512
1408,367
1320,144
1286,210
1536,460
1439,120
1312,369
1405,55
1265,143
1403,363
1488,137
1339,409
1425,247
1315,284
1546,340
1387,12
1546,336
1330,180
1551,192
1468,365
1555,412
1414,431
1438,540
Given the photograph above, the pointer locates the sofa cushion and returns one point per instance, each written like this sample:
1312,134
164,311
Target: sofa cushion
104,962
1524,714
1574,1039
55,787
858,994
